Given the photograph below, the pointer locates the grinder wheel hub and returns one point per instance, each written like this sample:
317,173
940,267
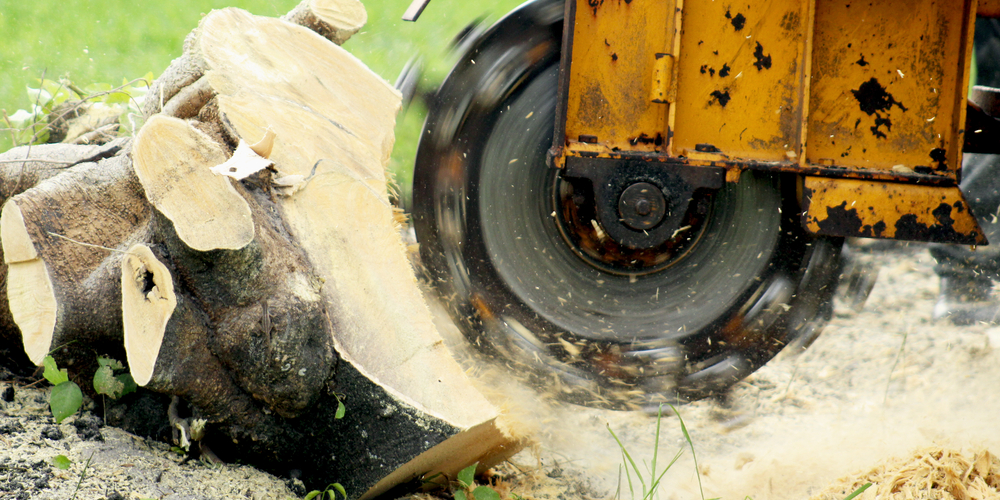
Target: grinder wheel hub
609,243
642,206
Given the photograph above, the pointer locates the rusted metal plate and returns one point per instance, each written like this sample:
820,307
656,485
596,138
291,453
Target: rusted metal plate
888,84
742,78
870,209
871,93
612,71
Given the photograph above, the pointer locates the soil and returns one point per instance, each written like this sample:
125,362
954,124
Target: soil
877,384
108,463
877,387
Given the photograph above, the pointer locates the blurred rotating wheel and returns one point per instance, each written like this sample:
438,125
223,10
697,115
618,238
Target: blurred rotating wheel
531,277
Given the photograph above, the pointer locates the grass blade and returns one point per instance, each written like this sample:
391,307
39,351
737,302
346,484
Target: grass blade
656,447
638,472
628,477
656,484
694,456
84,474
618,491
858,491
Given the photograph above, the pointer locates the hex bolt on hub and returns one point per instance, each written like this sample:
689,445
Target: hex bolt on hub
642,206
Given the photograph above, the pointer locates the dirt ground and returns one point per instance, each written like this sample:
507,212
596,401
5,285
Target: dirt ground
107,463
881,383
877,384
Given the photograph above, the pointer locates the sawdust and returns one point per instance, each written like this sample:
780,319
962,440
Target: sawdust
882,382
932,473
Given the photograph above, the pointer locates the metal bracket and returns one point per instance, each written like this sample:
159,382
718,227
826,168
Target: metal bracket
615,201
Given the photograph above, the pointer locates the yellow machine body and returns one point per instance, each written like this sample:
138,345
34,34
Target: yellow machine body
865,100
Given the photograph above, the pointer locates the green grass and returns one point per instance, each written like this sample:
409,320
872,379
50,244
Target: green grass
106,42
649,486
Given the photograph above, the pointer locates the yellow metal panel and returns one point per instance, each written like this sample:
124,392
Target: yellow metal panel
742,78
849,207
888,84
614,54
988,8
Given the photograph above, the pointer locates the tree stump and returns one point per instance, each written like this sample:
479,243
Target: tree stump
242,254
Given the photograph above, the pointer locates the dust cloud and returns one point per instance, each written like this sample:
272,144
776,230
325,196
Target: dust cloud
879,383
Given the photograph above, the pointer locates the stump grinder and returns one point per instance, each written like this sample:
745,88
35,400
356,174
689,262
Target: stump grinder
643,201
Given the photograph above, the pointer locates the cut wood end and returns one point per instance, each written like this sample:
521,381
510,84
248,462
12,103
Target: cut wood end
32,303
148,301
173,162
335,20
342,107
30,295
345,17
344,14
17,244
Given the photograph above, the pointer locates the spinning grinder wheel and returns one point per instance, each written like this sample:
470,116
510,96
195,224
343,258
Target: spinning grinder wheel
531,276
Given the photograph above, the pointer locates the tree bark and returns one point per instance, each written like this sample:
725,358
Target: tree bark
63,280
265,285
21,169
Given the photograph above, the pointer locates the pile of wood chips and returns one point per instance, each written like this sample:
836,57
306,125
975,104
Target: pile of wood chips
931,473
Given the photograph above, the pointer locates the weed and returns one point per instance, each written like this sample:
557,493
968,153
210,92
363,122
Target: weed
648,490
330,493
108,383
83,475
66,398
465,487
341,409
61,462
687,437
